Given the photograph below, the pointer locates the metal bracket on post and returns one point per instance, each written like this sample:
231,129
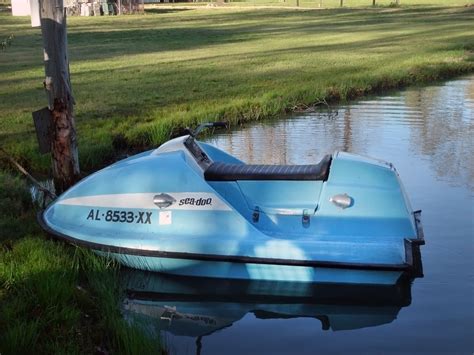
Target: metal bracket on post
42,121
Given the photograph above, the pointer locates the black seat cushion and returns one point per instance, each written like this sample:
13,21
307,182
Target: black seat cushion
231,172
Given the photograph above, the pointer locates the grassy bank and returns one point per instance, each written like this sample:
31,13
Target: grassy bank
135,78
56,299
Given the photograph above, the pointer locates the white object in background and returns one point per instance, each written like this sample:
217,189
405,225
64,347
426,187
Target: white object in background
20,7
35,13
85,9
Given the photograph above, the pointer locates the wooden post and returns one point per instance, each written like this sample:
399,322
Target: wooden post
373,2
342,3
64,153
298,3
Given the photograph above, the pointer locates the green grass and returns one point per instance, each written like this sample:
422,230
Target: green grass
54,298
136,78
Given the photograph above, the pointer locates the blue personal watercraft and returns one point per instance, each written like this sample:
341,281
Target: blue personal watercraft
188,208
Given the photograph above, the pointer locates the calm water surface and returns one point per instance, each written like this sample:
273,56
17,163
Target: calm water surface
428,134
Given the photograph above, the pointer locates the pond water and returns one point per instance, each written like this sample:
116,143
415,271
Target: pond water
428,134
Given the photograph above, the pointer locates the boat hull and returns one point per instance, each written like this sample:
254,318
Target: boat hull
346,219
256,269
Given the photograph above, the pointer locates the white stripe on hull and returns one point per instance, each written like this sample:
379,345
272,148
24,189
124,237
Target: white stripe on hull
184,201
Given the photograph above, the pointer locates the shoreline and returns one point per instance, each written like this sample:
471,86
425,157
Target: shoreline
334,97
121,146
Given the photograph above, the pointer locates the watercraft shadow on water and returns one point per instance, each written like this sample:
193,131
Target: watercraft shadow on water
197,307
188,208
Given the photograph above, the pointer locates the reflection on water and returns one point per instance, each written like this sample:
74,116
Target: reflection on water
427,133
434,123
445,128
196,308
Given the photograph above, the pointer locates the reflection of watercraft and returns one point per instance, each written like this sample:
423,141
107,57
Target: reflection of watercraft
198,306
188,208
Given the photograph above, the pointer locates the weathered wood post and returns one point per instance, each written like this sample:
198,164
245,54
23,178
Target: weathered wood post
64,153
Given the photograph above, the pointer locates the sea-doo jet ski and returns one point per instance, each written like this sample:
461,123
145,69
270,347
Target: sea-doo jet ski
189,208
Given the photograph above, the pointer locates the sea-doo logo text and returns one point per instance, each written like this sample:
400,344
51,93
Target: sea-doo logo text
196,202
